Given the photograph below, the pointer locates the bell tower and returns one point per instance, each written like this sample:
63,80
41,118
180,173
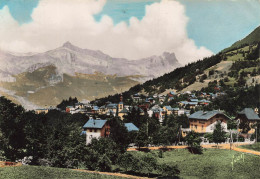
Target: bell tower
121,104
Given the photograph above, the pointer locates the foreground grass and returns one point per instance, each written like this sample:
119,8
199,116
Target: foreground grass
255,146
213,163
31,172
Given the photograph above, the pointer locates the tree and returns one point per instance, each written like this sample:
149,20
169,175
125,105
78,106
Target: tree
141,139
12,140
219,135
126,161
104,164
193,140
119,133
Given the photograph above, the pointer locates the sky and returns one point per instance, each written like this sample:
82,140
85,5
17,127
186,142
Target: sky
133,29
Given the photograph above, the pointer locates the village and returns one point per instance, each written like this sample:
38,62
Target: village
188,104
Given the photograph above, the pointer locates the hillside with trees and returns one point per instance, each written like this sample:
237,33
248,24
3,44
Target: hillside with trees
238,66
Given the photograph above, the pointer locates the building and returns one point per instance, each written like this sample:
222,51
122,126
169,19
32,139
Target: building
168,110
122,113
136,98
250,116
205,121
42,110
96,128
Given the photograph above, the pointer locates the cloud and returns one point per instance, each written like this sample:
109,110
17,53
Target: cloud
163,28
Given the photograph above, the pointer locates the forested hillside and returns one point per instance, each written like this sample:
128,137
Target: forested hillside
236,67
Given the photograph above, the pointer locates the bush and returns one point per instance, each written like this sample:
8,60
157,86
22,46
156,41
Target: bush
104,164
168,170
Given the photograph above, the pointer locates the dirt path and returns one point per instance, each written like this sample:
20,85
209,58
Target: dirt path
10,164
220,146
246,151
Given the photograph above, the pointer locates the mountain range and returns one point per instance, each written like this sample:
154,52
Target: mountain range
47,78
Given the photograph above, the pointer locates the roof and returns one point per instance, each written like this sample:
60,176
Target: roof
124,111
194,100
113,106
205,115
95,123
131,127
83,133
184,102
168,108
204,101
102,107
193,103
95,108
250,114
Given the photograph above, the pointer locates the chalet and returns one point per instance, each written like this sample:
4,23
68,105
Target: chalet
250,116
110,112
194,100
79,105
182,112
171,94
183,103
204,102
203,95
136,98
70,109
170,99
42,110
168,110
175,111
95,110
96,128
151,100
111,108
205,121
158,112
162,98
102,110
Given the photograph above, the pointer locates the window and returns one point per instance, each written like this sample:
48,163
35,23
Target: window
191,125
95,130
90,130
196,126
201,127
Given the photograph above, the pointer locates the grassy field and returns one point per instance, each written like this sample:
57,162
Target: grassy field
32,172
255,147
213,163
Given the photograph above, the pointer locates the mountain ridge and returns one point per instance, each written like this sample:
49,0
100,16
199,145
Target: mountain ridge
72,71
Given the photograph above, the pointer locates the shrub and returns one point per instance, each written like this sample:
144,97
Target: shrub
168,170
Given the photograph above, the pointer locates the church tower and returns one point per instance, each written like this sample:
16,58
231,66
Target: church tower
121,104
